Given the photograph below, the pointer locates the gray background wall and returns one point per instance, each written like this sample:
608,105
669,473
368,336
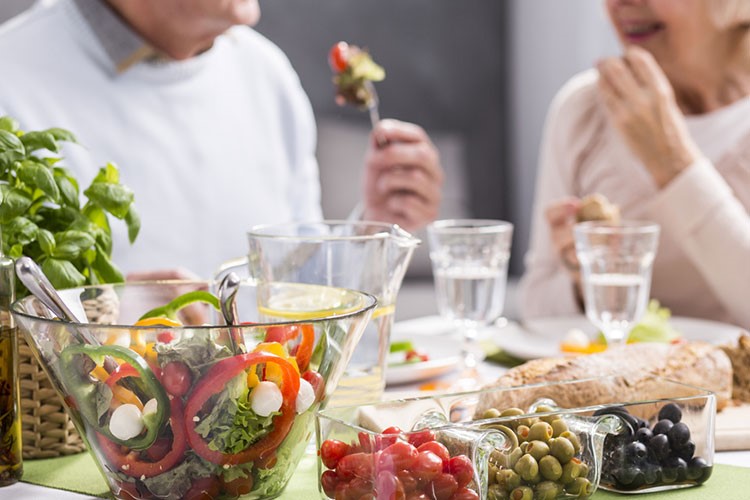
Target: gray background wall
477,74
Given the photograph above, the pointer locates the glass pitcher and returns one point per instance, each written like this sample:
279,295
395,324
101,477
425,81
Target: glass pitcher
359,255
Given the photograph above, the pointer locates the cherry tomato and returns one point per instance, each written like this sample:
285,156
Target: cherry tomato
333,450
398,456
176,378
239,486
438,449
165,337
462,469
356,465
388,487
420,437
407,479
338,57
442,487
427,466
417,495
393,430
328,481
359,486
204,488
465,494
365,442
316,381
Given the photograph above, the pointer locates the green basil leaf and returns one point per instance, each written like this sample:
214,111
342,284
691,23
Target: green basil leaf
11,145
16,251
108,175
21,230
61,134
68,188
78,238
15,203
8,124
114,198
46,241
39,176
62,273
133,221
34,141
106,269
66,251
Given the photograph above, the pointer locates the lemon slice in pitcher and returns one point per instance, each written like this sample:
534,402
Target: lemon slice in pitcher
295,301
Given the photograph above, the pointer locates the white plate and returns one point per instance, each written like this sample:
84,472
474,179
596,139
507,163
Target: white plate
442,348
540,338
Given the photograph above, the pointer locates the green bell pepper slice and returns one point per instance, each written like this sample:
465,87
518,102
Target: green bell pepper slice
86,392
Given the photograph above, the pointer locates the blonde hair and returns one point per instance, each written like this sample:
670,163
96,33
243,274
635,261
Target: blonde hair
729,13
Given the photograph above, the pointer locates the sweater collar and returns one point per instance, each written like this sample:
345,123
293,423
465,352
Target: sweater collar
123,46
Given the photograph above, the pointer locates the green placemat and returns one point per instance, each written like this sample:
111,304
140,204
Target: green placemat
78,473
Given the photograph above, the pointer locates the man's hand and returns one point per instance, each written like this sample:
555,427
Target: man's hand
403,177
641,104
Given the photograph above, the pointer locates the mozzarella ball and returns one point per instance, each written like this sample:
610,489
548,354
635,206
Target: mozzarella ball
266,398
126,422
305,396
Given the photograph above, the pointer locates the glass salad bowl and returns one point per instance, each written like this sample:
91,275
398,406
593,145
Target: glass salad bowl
167,404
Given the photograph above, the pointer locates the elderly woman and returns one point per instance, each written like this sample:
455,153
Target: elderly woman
664,132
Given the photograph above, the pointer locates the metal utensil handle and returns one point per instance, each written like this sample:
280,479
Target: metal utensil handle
228,289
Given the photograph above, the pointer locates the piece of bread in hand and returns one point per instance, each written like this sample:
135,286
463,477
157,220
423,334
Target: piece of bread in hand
596,207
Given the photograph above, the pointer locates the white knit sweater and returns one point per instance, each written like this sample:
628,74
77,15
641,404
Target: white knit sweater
210,146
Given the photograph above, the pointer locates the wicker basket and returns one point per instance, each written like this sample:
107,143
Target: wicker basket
48,430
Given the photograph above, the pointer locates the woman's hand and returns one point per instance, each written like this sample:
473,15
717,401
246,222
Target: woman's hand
561,217
403,177
641,104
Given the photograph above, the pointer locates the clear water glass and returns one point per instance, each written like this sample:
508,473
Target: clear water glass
470,266
616,262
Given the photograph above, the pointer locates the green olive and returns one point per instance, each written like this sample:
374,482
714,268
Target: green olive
546,409
562,449
558,427
570,472
511,412
522,493
527,467
550,468
524,446
495,492
491,413
537,449
583,468
492,473
573,438
581,487
522,431
513,458
546,490
540,431
508,479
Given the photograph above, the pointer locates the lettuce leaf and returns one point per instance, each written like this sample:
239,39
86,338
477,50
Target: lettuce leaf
655,326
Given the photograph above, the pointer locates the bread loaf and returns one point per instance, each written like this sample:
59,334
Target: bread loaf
693,363
739,355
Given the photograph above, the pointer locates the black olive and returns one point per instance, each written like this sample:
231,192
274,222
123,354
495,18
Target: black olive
677,465
659,447
685,451
636,452
644,435
663,426
651,473
670,412
678,435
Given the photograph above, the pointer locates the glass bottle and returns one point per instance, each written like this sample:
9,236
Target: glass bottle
11,466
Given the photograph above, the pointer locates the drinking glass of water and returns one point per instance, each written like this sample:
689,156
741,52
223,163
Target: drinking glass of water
616,261
470,265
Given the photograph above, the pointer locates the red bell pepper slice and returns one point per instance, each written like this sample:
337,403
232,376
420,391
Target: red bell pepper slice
130,463
214,380
122,371
303,351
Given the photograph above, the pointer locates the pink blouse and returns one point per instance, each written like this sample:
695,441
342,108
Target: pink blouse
702,268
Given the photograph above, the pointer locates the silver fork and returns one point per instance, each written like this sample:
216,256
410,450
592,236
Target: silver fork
374,112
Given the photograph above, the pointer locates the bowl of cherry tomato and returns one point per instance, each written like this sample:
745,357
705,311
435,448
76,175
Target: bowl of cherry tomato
173,403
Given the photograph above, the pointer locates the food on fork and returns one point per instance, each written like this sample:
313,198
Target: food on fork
596,207
354,71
